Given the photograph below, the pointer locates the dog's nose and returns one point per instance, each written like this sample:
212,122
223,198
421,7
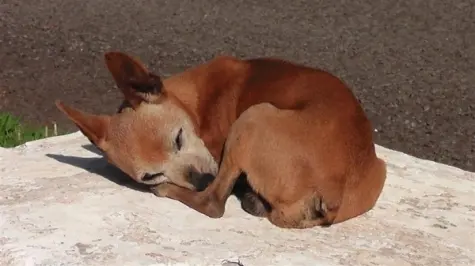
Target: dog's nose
200,180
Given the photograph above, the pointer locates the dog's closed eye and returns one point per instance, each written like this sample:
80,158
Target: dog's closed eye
150,177
179,139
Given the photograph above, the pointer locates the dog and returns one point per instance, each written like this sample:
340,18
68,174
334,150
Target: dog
294,138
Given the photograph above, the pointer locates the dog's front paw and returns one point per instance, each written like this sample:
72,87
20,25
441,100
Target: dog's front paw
160,190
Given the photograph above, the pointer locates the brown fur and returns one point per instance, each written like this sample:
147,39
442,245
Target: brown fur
297,136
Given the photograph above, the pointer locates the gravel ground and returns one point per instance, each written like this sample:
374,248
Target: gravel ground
411,63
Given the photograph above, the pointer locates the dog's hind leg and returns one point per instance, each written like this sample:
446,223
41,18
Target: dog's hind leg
254,205
251,202
303,214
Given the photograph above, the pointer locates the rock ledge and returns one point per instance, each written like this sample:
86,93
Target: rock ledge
61,204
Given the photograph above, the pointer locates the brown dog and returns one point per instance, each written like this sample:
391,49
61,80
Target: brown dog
296,135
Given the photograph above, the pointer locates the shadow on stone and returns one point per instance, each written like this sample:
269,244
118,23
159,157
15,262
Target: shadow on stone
100,167
93,149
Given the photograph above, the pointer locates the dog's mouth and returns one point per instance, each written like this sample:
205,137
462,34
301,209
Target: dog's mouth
154,179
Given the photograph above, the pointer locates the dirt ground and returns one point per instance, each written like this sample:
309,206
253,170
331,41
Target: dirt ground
411,63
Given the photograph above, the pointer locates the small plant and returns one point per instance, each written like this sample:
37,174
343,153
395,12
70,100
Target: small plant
13,133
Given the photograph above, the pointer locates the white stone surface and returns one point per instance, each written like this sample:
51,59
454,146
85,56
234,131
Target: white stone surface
56,208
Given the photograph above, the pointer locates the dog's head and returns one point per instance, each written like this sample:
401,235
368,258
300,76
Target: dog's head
153,139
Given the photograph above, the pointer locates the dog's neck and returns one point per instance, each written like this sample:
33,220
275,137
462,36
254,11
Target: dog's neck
210,96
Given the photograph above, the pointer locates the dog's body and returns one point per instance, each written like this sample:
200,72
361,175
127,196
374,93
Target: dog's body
296,133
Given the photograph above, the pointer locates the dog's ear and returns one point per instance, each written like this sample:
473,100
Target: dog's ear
94,127
135,81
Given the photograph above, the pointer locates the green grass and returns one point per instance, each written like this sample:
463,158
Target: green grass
14,133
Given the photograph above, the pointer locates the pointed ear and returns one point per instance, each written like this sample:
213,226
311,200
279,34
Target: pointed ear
133,78
94,127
